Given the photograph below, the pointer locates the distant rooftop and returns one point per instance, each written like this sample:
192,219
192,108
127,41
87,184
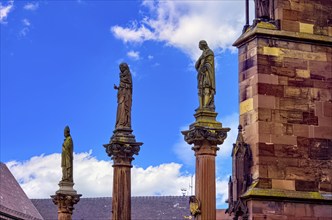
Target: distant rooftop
145,208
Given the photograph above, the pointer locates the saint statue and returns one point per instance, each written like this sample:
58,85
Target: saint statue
264,9
206,77
125,91
67,157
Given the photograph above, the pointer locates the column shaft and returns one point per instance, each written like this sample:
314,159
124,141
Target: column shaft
121,202
205,185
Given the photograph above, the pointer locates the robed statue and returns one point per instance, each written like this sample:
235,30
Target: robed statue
206,77
125,91
67,157
264,9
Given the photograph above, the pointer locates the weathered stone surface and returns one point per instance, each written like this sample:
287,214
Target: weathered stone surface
283,184
265,149
310,186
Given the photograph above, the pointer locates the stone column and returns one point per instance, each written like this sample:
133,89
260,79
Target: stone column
121,149
206,133
65,199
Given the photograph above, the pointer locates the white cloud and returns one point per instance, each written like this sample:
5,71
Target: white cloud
31,6
133,54
182,24
26,22
5,10
40,175
26,27
150,57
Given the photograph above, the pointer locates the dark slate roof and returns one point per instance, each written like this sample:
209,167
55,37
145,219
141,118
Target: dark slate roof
145,208
13,201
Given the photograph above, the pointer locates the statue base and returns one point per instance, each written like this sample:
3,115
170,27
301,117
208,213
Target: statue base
66,188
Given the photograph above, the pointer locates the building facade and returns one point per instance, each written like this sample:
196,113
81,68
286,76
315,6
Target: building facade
285,84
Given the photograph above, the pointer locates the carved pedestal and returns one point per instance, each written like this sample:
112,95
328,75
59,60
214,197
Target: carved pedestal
121,149
65,198
206,133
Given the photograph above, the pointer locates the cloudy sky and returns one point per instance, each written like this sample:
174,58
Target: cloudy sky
59,61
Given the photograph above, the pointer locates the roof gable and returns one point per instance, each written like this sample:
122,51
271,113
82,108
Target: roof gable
13,200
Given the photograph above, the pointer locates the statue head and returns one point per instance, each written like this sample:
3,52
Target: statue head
67,131
202,44
123,67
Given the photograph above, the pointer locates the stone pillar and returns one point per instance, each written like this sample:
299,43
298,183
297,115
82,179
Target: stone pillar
206,133
65,199
121,149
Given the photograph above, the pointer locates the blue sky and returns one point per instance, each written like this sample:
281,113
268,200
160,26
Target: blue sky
59,61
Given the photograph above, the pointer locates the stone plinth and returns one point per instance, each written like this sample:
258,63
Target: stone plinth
65,198
121,149
206,133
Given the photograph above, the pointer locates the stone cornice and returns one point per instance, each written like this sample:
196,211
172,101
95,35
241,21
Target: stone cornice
281,34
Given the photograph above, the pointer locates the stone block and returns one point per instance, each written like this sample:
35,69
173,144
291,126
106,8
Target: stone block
326,187
290,15
323,84
249,73
264,183
302,73
282,150
324,121
324,132
287,162
288,25
295,116
283,184
283,80
295,63
264,101
247,64
265,149
272,90
301,82
272,51
306,28
308,186
320,70
283,71
323,211
268,79
283,139
327,109
246,106
301,130
310,118
276,172
293,104
297,173
320,149
304,55
264,114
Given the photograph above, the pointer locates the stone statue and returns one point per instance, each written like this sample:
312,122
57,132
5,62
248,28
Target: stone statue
67,157
125,90
206,77
264,9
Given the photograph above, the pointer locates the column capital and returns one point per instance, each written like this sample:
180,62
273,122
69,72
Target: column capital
122,147
66,202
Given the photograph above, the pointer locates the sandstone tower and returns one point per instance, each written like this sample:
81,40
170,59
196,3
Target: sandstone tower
285,81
